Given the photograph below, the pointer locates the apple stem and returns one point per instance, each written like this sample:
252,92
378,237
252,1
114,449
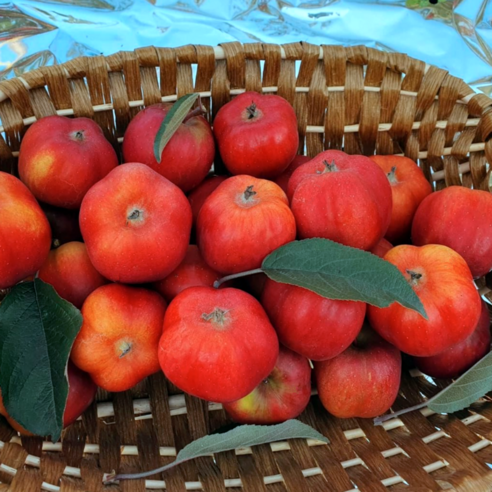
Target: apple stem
248,193
392,176
389,416
198,111
219,282
330,167
252,111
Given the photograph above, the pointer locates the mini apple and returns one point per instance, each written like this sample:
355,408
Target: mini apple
361,382
282,395
381,248
64,224
198,195
456,360
60,158
70,271
283,179
186,158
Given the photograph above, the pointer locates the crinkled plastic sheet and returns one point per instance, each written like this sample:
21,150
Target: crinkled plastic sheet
452,34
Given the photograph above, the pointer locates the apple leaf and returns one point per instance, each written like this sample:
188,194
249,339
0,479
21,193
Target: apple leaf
239,437
468,388
37,330
173,119
340,272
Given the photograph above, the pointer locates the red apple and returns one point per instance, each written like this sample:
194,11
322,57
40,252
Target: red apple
456,360
283,179
217,344
60,158
443,282
197,196
186,158
70,271
193,271
381,248
257,134
136,225
345,198
282,395
242,222
409,187
25,235
361,382
313,326
461,219
81,393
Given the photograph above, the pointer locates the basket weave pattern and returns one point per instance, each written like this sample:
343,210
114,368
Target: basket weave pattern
366,100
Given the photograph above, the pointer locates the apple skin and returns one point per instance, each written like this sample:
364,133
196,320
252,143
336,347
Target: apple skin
191,272
361,382
312,325
381,248
444,284
186,158
283,179
409,187
198,195
136,225
217,344
25,235
282,395
461,219
60,158
70,271
456,360
257,134
81,393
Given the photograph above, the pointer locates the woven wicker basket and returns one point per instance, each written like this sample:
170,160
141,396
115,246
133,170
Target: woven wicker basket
362,99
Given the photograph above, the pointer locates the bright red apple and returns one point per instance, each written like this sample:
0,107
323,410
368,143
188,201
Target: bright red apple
136,225
197,196
456,360
283,179
186,158
282,395
361,382
60,158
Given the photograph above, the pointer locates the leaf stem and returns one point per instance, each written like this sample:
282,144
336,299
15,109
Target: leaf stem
111,478
389,416
219,282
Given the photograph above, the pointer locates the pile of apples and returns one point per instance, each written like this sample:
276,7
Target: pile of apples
144,274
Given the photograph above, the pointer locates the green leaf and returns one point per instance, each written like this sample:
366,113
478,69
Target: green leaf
173,119
340,272
37,330
468,388
240,437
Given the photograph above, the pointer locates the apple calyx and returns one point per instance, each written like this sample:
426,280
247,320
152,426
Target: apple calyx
252,113
392,176
248,193
124,347
78,135
414,277
135,215
217,317
330,167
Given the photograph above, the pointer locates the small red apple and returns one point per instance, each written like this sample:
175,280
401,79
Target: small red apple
283,179
257,134
361,382
60,158
282,395
186,158
70,271
198,195
453,362
381,248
